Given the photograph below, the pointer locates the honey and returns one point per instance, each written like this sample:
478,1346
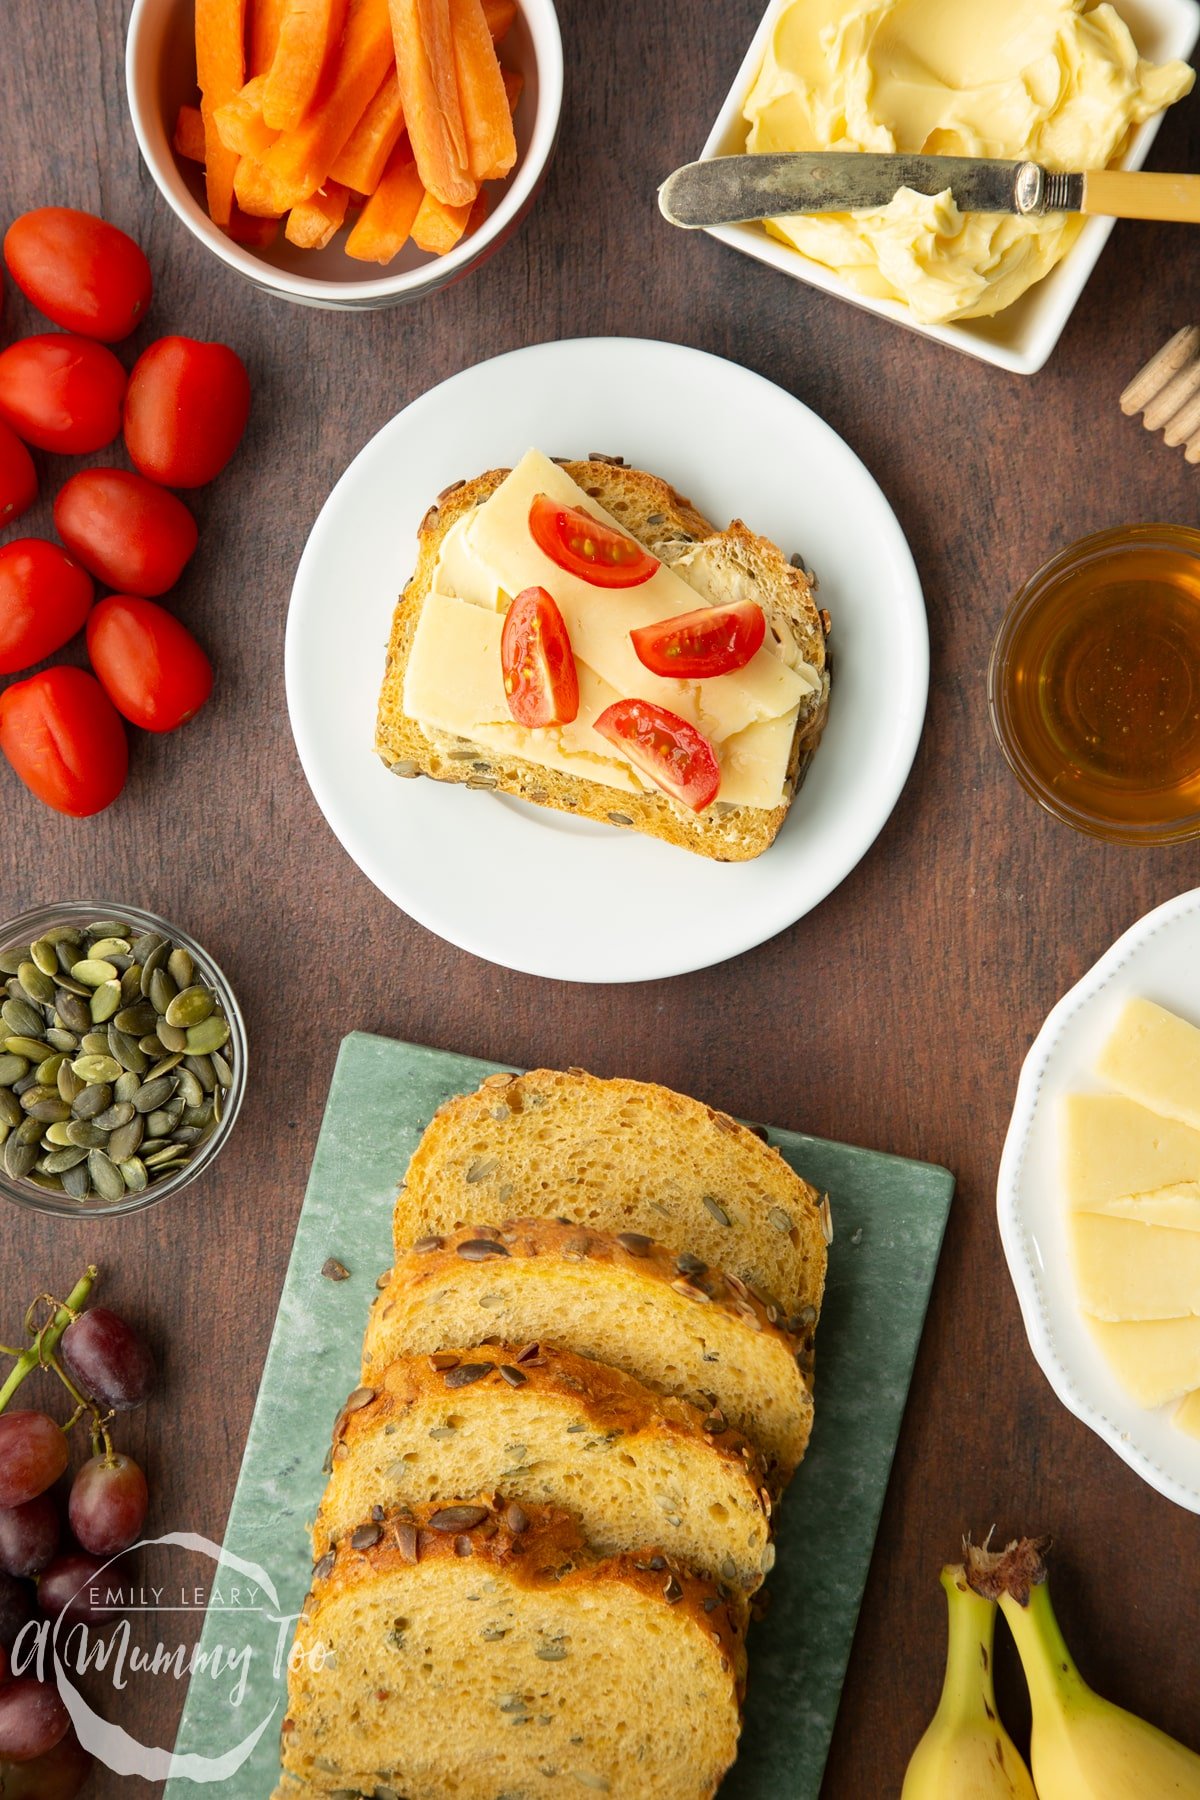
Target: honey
1095,684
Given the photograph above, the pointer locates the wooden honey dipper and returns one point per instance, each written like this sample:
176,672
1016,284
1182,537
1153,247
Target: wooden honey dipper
1167,392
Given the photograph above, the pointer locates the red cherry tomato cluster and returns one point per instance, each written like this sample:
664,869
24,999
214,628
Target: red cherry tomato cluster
51,1555
183,410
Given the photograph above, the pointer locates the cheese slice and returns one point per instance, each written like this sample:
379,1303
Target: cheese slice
1156,1361
1154,1057
1112,1147
1173,1208
1126,1270
1187,1415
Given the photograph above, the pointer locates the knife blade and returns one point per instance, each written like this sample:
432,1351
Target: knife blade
730,190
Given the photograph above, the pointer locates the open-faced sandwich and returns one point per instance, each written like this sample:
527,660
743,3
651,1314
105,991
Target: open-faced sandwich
577,634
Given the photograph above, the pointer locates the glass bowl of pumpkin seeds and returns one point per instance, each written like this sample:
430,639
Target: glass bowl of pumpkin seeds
122,1059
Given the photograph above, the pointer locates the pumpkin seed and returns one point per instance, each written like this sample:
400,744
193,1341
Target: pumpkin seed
11,960
50,1110
10,1108
12,1068
171,1037
75,1013
210,1034
105,1176
96,1068
181,968
203,1070
131,984
162,1122
133,1174
126,1139
125,1086
30,1048
77,1182
171,1153
162,990
145,945
153,1094
37,983
86,1135
105,1002
61,1160
93,970
151,1044
94,1043
102,928
57,1135
66,1041
19,1158
113,1116
23,1019
189,1089
163,1066
191,1007
123,1049
68,1083
108,945
43,955
136,1020
29,1131
151,961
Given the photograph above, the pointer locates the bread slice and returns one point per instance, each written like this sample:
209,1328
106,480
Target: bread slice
672,1324
621,1156
720,565
460,1654
545,1427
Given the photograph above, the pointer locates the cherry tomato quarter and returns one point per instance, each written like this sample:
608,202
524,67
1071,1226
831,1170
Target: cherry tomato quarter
18,477
44,599
128,531
695,646
185,410
64,738
80,271
675,756
61,392
586,547
541,682
149,665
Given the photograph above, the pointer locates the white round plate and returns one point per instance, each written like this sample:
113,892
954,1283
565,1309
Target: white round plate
1159,958
530,888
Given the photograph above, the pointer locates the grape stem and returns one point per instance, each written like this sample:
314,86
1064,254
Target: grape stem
47,1339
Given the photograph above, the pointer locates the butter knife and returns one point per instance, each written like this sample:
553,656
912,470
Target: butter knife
729,190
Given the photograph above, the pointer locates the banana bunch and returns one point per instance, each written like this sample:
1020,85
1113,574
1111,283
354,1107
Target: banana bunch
1082,1747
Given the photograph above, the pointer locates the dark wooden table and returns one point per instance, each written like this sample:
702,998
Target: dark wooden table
894,1016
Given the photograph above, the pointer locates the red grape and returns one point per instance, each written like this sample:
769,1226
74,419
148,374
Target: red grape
33,1454
59,1775
65,1586
16,1607
32,1719
108,1358
28,1536
108,1504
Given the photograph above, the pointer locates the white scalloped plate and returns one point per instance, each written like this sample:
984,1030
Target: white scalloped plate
1160,959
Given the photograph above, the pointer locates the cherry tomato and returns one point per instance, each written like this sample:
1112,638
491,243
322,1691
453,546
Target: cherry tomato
128,531
694,646
541,681
44,599
666,748
583,546
80,271
64,737
61,393
149,665
185,410
18,477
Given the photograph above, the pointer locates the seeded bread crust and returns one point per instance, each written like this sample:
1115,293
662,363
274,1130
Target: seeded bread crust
525,1269
620,1155
544,1426
734,564
352,1734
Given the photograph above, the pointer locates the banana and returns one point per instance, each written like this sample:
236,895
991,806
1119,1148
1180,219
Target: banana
1083,1747
966,1754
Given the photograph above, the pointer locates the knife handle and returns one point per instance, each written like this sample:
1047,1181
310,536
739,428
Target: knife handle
1121,194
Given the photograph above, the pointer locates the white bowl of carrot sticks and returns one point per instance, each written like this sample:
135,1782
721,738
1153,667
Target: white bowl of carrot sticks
347,153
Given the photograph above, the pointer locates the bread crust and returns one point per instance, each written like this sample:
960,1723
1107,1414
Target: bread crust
672,528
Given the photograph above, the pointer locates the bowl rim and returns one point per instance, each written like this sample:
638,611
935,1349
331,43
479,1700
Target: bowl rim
1114,540
542,20
35,921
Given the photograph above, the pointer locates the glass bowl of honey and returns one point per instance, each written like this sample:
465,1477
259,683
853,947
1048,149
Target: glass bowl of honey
1094,685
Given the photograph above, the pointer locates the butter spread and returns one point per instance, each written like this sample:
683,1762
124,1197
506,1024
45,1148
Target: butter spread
1052,80
454,681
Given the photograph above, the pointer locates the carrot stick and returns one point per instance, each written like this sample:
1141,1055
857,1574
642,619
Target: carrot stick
384,224
240,123
220,71
438,227
429,92
514,87
364,155
310,35
491,146
188,141
300,161
256,191
266,16
499,15
258,234
311,224
480,209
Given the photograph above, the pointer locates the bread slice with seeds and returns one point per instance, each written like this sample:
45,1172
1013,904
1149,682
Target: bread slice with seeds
546,1427
621,1156
674,1325
722,566
462,1654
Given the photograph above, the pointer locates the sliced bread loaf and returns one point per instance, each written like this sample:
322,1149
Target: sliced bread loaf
670,1322
621,1156
459,1654
546,1427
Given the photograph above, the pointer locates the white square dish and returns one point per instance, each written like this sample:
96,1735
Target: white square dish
1022,337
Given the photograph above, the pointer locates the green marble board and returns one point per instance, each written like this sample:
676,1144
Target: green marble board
889,1215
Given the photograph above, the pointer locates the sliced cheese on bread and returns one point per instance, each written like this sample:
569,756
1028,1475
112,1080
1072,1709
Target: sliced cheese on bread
546,1428
672,1324
459,1651
621,1156
1128,1270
